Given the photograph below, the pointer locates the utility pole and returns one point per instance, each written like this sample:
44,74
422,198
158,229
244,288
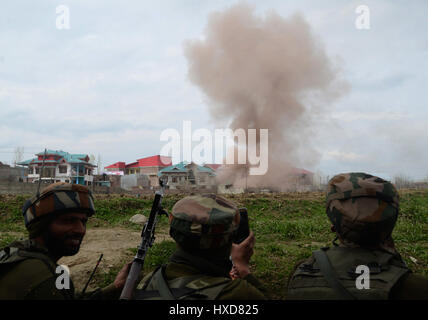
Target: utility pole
41,174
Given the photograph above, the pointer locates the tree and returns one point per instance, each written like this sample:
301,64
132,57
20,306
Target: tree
99,164
19,153
403,181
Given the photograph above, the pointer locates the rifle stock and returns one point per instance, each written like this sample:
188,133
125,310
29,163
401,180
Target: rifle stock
131,282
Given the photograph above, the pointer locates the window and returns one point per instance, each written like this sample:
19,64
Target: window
48,172
62,169
174,179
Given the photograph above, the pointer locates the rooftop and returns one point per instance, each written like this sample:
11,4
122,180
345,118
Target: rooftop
184,166
60,156
153,161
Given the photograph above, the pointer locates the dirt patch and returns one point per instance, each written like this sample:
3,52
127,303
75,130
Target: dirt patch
112,242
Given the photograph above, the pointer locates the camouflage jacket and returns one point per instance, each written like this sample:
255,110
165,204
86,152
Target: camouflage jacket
389,276
211,281
27,271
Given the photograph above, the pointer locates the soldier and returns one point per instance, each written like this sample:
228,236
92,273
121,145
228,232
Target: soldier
56,222
202,227
363,210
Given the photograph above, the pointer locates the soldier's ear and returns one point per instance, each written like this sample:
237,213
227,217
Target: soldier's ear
333,228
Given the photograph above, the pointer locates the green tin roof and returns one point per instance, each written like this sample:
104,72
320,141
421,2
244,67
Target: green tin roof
70,158
26,162
181,167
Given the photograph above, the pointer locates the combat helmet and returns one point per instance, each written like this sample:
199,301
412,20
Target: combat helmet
363,208
203,222
55,199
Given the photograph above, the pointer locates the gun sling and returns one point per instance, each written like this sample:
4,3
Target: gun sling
331,277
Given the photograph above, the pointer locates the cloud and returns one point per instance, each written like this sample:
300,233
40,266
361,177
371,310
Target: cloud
343,156
118,77
370,82
352,116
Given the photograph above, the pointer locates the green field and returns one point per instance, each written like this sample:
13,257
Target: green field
288,227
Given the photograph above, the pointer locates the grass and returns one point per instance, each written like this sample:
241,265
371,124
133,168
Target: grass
288,227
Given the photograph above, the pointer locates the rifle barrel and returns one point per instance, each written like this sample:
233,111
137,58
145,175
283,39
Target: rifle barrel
147,235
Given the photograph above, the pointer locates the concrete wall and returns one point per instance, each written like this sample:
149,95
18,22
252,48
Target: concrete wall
19,187
31,188
134,180
12,174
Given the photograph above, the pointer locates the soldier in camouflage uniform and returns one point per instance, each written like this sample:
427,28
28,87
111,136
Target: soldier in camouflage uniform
363,210
56,222
200,268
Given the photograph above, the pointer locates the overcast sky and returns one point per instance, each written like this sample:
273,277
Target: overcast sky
118,77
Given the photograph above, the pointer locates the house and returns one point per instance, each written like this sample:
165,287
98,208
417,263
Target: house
301,177
149,166
213,166
235,178
186,175
60,166
116,168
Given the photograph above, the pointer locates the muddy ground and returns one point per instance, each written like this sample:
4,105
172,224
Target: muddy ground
114,243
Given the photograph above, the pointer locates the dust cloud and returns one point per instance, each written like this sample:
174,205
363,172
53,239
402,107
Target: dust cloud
266,72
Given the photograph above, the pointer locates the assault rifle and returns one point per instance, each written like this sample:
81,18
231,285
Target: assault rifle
147,239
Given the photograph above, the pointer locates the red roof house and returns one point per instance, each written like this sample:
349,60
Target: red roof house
118,166
154,161
149,166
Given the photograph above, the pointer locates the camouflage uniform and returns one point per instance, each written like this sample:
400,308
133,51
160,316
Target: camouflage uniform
363,210
202,227
27,269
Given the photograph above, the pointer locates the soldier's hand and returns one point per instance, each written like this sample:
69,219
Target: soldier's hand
234,274
241,255
120,280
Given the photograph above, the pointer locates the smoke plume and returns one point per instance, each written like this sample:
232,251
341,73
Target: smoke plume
265,73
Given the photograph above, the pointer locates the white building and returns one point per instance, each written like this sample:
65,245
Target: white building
60,166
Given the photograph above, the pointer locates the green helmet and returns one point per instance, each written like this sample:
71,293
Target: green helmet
363,208
55,199
203,222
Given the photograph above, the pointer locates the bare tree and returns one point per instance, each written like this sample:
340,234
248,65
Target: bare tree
99,164
403,181
19,153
